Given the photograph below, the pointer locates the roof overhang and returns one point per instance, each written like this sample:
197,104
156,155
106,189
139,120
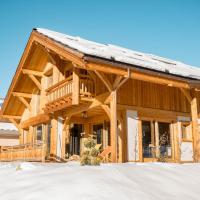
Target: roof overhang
95,63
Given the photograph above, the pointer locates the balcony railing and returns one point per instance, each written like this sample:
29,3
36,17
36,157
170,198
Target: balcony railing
65,88
86,86
25,152
61,89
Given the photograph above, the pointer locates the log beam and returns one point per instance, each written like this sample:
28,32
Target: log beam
25,102
21,94
113,126
47,52
195,132
137,75
76,87
117,81
106,109
192,99
15,123
186,94
35,80
104,79
11,117
32,72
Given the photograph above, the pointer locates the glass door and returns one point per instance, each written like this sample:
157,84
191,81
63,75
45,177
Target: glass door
165,149
156,139
148,140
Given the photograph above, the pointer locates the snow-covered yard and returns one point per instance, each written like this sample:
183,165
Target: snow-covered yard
141,181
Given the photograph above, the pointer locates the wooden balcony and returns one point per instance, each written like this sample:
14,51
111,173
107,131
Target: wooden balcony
61,94
25,152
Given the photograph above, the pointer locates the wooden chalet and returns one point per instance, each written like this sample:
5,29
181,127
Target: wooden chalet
141,107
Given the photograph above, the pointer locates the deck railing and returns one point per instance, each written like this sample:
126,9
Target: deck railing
59,90
25,152
65,88
86,85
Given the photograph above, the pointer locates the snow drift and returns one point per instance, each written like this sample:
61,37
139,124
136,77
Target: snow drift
135,181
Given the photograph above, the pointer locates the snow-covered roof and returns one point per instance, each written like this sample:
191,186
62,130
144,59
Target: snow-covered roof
123,55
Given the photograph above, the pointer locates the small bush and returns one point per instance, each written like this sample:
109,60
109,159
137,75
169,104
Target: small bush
90,152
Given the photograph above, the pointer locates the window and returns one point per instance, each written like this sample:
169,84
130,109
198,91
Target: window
146,133
186,131
39,133
98,132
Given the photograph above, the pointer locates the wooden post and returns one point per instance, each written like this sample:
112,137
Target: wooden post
157,139
120,139
113,125
176,138
194,114
190,95
76,89
53,137
65,134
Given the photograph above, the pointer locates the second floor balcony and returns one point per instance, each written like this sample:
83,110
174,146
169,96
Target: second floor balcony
63,92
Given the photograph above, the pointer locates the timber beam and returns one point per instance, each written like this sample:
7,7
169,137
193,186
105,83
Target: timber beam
190,95
15,123
25,102
76,87
22,94
104,79
35,80
186,94
11,117
113,126
138,75
99,100
106,109
47,52
32,72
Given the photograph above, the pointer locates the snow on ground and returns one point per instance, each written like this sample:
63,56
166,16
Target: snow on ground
134,181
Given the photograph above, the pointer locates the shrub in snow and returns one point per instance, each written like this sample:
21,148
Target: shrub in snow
90,152
18,167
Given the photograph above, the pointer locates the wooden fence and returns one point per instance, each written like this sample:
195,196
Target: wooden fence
25,152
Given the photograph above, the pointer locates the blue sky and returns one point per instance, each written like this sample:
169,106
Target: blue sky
169,28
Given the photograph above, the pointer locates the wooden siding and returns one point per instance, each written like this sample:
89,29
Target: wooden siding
150,95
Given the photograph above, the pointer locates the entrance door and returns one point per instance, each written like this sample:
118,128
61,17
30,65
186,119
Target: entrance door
156,139
75,137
